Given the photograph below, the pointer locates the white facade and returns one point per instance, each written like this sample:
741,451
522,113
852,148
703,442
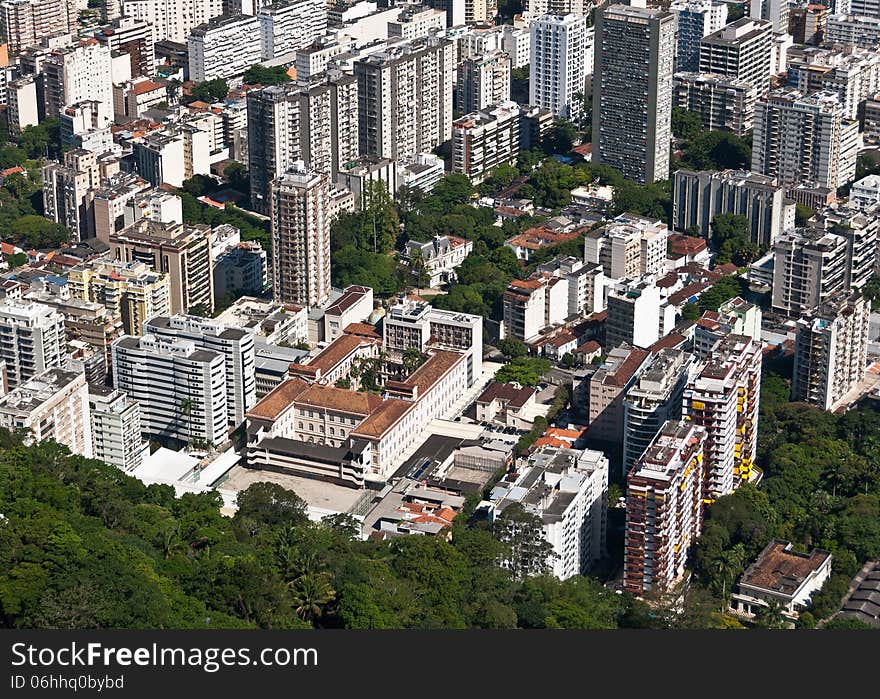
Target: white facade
557,63
288,26
224,48
32,339
865,193
116,429
77,74
517,42
695,19
172,19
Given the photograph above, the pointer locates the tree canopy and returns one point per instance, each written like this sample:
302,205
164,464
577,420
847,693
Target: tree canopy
259,74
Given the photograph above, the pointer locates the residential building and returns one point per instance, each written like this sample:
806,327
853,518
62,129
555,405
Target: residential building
22,104
225,47
723,398
557,62
653,399
172,20
78,73
405,98
354,304
865,193
32,339
723,103
412,324
853,74
111,200
506,403
773,11
243,269
134,37
234,344
67,191
25,22
809,267
853,30
173,155
734,317
699,196
51,405
301,237
422,173
130,291
781,576
831,350
607,390
435,261
632,90
695,19
568,490
516,42
416,21
181,251
525,308
287,123
116,428
786,120
743,50
637,314
289,25
664,508
483,140
483,81
180,388
861,231
268,321
629,247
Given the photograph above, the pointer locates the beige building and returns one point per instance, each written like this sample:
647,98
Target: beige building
181,251
53,405
608,387
129,290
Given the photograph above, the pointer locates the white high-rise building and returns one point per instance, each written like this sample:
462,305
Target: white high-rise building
405,98
181,389
116,428
483,82
696,19
632,90
290,25
235,344
31,339
557,64
786,121
809,267
51,405
831,350
301,237
743,50
172,20
25,22
628,247
516,42
224,47
773,11
77,74
568,490
288,123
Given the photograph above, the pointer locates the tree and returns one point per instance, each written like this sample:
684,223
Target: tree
731,236
718,150
568,360
33,231
685,124
271,504
311,593
512,348
210,90
802,214
771,616
412,360
560,138
19,259
259,74
527,552
526,371
237,176
690,312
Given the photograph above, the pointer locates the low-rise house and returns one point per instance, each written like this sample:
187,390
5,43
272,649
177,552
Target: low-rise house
506,403
435,261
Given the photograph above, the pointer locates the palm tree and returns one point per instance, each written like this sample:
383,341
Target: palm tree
184,408
412,360
771,616
311,592
726,567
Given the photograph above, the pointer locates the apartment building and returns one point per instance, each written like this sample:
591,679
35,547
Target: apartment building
181,251
22,105
79,73
416,21
743,50
664,508
557,63
134,37
861,232
32,339
483,140
25,22
567,489
131,291
637,313
810,265
301,237
172,20
67,191
723,398
773,11
607,389
116,428
831,350
787,121
734,317
525,303
234,344
225,47
51,405
290,25
354,304
405,95
695,19
180,388
864,194
317,124
723,103
853,30
629,247
632,90
853,74
173,155
699,196
516,42
412,324
482,82
653,399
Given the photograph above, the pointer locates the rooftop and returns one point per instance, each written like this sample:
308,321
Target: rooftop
780,569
